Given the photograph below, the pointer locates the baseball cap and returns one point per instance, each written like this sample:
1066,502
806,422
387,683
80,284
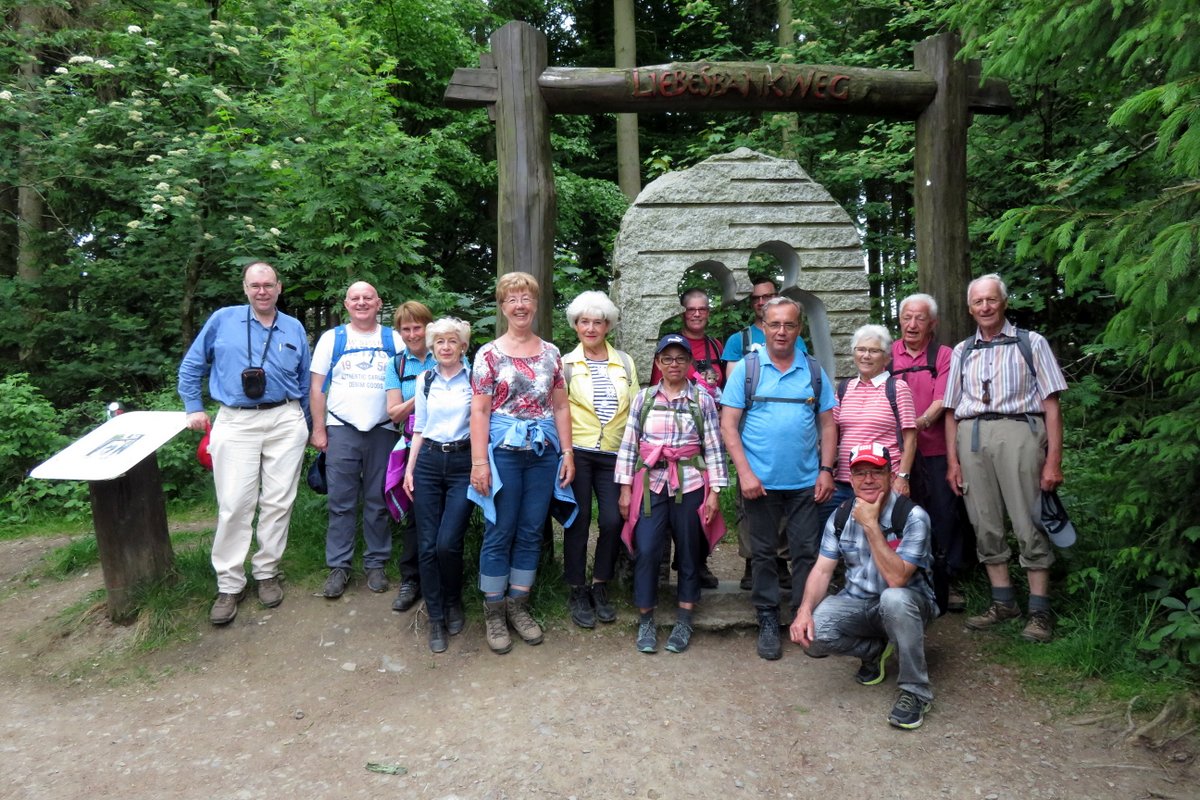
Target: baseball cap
202,454
874,454
672,339
1054,521
316,475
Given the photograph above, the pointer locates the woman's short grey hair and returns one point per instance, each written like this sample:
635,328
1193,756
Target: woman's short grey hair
447,326
920,297
869,332
593,304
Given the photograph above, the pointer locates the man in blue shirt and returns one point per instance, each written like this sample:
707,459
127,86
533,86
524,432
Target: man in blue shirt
888,598
257,362
783,454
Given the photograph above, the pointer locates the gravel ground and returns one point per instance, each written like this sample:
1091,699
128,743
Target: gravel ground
311,699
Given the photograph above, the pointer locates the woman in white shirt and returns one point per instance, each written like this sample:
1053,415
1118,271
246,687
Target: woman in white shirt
437,475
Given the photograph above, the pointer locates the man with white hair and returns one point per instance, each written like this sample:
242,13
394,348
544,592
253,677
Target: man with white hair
924,364
1005,439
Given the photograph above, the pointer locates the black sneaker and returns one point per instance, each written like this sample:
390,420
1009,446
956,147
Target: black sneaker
407,597
769,645
681,636
747,581
909,711
872,671
377,580
600,602
580,605
335,584
647,640
707,579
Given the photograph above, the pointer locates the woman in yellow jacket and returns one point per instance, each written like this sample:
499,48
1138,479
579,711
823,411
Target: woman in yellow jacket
601,381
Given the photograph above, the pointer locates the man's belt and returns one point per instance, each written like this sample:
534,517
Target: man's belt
264,406
448,447
1023,416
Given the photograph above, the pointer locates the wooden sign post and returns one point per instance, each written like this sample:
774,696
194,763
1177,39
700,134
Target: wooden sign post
521,92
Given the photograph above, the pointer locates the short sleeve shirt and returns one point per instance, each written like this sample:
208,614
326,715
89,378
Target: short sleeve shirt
356,393
519,386
864,415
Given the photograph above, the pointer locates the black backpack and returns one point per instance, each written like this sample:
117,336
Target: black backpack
889,389
930,362
940,577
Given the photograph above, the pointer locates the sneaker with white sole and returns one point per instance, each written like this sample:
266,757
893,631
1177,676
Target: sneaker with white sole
647,638
873,670
909,711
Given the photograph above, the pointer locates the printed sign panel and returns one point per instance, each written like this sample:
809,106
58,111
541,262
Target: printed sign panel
114,448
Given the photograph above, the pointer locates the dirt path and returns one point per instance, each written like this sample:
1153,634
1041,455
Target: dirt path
296,702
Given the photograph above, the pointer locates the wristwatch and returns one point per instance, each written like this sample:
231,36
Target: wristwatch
826,469
905,475
716,489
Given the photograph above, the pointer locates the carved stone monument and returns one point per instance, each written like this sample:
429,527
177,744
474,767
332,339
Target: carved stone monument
714,217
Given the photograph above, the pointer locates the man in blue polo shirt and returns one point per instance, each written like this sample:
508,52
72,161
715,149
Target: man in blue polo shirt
257,361
783,454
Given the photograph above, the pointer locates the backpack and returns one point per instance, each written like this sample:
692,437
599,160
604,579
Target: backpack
889,388
339,350
940,577
1021,340
930,362
753,361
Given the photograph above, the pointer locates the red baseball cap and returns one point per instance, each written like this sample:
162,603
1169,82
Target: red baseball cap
874,454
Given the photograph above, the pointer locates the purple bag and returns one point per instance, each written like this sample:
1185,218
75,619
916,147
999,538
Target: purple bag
397,501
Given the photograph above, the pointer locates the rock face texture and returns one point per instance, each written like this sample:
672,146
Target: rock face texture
714,217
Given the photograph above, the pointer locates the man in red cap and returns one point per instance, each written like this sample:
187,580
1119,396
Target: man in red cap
888,597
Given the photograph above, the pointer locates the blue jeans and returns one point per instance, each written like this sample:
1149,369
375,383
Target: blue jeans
593,472
442,510
513,544
861,628
669,521
796,511
355,465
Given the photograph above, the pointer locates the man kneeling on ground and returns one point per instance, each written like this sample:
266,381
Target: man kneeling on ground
888,598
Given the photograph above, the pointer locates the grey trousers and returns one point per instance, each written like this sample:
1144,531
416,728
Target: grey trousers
861,628
355,464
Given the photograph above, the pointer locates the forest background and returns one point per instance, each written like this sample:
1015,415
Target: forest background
149,149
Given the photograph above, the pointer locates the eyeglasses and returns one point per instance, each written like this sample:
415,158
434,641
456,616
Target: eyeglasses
756,298
703,310
523,300
669,360
782,326
261,287
868,351
867,473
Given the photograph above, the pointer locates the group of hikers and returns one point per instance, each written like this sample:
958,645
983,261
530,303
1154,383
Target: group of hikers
873,473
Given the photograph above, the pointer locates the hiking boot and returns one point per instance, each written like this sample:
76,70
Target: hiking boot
600,602
1040,627
997,613
437,636
406,598
955,602
769,645
455,619
377,580
335,584
495,618
681,636
647,640
909,711
225,607
747,581
580,605
707,579
522,622
270,592
872,670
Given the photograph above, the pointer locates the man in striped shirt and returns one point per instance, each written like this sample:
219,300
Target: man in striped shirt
1004,441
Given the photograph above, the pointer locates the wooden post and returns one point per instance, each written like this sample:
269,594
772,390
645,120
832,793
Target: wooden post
527,207
940,186
130,516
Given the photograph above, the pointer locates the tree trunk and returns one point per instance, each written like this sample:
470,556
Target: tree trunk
30,205
786,38
629,174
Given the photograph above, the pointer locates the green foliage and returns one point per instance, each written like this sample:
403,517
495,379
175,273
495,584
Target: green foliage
1178,641
29,430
